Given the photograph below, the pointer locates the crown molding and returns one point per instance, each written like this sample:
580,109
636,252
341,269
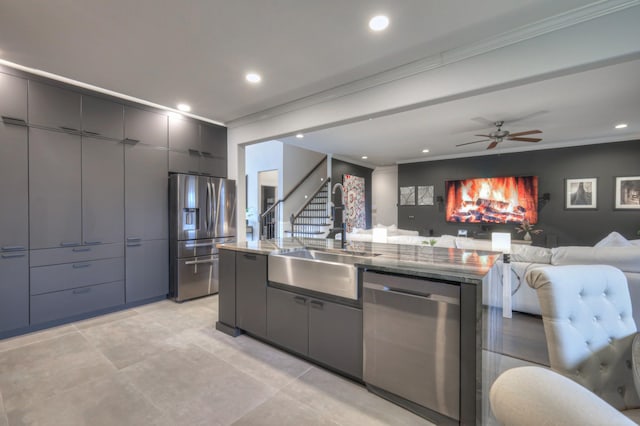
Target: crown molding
526,32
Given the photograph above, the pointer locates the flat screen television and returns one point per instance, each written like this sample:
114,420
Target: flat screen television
509,199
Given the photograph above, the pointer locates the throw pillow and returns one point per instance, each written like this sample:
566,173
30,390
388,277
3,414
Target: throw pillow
614,239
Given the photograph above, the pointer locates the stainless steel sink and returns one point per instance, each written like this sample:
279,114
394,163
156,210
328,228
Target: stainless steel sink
331,272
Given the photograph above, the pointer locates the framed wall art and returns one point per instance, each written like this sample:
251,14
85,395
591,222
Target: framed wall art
407,195
425,195
627,193
581,194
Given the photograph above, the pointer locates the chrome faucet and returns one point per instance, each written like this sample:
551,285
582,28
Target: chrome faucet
343,228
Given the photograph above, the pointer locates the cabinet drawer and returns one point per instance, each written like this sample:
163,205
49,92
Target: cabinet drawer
68,303
45,279
75,254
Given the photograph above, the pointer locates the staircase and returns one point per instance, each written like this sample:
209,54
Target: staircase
313,219
304,211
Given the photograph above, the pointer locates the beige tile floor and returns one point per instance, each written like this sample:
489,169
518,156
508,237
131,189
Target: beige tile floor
165,364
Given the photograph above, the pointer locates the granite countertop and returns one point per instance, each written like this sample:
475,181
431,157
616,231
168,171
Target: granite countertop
431,262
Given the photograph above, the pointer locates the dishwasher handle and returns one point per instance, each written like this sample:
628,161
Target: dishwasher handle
410,293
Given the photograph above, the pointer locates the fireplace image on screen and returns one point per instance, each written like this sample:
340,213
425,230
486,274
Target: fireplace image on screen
492,200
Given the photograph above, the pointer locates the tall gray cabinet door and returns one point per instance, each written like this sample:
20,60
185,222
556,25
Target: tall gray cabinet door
102,191
13,102
184,162
213,140
55,189
52,106
287,319
251,293
335,336
147,270
227,288
146,189
14,188
183,134
144,126
14,291
101,117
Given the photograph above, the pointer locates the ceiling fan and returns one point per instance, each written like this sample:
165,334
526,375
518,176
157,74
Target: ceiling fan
500,135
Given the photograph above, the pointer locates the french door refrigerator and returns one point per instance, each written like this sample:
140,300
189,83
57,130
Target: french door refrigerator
201,214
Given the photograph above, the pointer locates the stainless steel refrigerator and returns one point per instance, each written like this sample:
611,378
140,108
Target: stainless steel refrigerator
201,214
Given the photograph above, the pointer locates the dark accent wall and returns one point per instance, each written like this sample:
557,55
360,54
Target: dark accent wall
552,166
339,168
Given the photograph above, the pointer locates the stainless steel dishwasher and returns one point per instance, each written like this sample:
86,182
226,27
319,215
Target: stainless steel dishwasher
412,340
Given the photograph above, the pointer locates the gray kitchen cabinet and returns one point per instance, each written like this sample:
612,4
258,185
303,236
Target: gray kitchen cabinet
227,288
213,140
102,191
146,270
184,162
335,336
14,291
13,98
55,189
14,188
184,134
146,127
146,192
288,319
101,117
213,166
251,293
53,107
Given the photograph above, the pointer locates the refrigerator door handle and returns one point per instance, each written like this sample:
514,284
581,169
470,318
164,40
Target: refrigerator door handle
218,202
214,203
207,211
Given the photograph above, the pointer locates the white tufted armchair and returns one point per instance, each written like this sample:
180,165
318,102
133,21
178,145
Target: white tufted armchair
588,323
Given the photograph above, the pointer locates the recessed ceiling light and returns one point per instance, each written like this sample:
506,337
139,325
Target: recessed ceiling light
184,107
253,77
621,126
379,23
425,150
364,157
299,136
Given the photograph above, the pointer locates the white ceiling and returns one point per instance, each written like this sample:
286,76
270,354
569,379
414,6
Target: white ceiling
197,51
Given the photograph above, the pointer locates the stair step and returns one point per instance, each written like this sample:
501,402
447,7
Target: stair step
305,233
313,217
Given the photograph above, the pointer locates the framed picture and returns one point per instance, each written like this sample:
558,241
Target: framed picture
628,193
581,194
425,195
407,195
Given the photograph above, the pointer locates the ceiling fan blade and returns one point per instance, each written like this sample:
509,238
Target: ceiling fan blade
492,145
469,143
524,139
528,132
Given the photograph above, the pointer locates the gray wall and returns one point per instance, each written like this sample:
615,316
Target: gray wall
553,166
339,168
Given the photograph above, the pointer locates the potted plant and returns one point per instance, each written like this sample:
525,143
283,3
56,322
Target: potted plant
527,228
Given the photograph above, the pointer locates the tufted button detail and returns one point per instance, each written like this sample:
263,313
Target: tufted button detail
588,342
620,390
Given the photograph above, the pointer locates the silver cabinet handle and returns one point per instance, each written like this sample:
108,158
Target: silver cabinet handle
81,265
68,244
69,129
81,249
194,152
92,243
81,290
316,304
12,248
408,293
131,239
134,244
300,299
198,262
87,132
199,245
12,255
14,121
129,141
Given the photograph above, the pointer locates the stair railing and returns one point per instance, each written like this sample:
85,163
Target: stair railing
307,225
270,219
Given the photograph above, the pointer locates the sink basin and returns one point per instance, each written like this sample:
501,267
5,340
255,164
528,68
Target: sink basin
322,271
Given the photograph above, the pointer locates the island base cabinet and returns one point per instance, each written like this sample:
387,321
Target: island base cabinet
14,291
227,288
251,293
335,336
147,270
287,320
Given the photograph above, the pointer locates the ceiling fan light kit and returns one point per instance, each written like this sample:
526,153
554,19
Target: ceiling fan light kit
501,135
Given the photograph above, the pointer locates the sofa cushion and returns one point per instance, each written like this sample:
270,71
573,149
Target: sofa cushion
625,258
614,239
531,254
635,243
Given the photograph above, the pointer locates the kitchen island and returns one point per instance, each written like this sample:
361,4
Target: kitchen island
418,310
